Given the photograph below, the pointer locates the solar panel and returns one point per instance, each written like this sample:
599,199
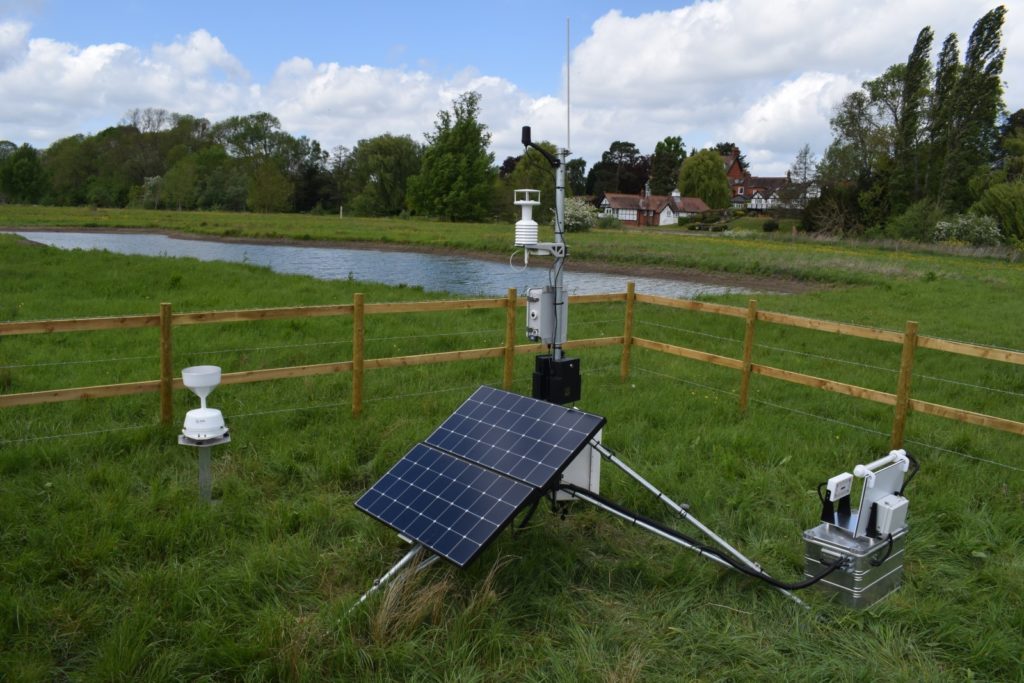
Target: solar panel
457,490
449,505
525,438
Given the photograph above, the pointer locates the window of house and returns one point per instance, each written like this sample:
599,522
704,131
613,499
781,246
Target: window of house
740,189
627,214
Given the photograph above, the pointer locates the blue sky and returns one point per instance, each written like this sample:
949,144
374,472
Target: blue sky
764,75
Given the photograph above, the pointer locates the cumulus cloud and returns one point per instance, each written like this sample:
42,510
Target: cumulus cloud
12,40
793,114
764,75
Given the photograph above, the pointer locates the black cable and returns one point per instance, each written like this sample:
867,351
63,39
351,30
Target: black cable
529,514
704,549
917,466
879,563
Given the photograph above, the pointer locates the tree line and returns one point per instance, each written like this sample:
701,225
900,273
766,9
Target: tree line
924,146
163,160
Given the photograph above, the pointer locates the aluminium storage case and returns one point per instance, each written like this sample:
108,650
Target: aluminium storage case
858,584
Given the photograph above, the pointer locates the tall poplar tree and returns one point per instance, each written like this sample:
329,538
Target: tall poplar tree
947,75
906,184
977,102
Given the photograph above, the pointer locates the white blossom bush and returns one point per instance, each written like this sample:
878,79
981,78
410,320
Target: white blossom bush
979,231
580,215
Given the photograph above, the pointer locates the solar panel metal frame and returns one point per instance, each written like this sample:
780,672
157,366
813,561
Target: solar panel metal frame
433,493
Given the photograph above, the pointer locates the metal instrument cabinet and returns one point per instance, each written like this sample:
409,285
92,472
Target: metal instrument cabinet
858,584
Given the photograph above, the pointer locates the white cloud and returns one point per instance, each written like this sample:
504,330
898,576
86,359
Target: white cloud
12,40
200,53
764,75
793,114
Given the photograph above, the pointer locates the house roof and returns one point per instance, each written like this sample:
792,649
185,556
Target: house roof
767,183
690,205
655,203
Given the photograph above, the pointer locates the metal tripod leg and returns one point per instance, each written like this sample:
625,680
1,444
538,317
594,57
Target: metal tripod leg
681,510
391,573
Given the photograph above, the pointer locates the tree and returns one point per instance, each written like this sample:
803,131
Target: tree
254,136
622,169
269,189
665,163
376,174
801,176
947,75
977,102
726,148
532,172
69,162
907,182
306,167
22,177
455,178
180,184
507,166
702,175
576,177
1005,203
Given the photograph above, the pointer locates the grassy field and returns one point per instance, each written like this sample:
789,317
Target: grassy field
110,567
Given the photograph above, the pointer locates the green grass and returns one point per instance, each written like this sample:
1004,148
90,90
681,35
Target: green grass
755,224
111,568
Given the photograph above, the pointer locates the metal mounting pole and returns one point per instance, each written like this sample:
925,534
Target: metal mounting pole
559,300
205,478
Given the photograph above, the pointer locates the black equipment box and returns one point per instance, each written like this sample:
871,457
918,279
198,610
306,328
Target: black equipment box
557,381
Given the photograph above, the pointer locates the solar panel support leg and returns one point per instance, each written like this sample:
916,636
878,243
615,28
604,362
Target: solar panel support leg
393,572
584,496
682,511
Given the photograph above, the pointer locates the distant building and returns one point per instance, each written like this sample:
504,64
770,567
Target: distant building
647,209
763,193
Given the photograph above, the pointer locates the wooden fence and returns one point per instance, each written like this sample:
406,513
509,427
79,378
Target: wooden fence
901,401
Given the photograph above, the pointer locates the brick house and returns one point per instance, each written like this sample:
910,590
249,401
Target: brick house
761,193
647,209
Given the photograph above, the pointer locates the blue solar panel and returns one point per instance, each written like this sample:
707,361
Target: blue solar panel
525,438
449,505
499,451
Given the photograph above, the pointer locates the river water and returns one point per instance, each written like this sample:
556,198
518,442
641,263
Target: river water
433,272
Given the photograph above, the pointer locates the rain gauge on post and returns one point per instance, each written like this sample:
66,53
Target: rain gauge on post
204,427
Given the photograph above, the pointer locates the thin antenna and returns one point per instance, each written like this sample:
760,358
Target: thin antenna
567,64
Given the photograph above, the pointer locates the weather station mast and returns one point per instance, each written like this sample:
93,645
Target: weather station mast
556,378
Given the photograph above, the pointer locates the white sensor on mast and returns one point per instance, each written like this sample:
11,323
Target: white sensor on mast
526,227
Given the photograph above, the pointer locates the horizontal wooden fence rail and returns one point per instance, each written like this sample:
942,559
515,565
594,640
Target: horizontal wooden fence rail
901,400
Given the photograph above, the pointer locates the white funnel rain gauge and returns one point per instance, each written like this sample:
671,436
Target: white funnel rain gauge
204,426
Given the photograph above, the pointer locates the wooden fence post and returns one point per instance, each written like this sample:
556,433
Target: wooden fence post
358,331
166,368
510,339
903,388
748,354
627,332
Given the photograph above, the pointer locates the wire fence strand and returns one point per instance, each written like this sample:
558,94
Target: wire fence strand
69,435
841,423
